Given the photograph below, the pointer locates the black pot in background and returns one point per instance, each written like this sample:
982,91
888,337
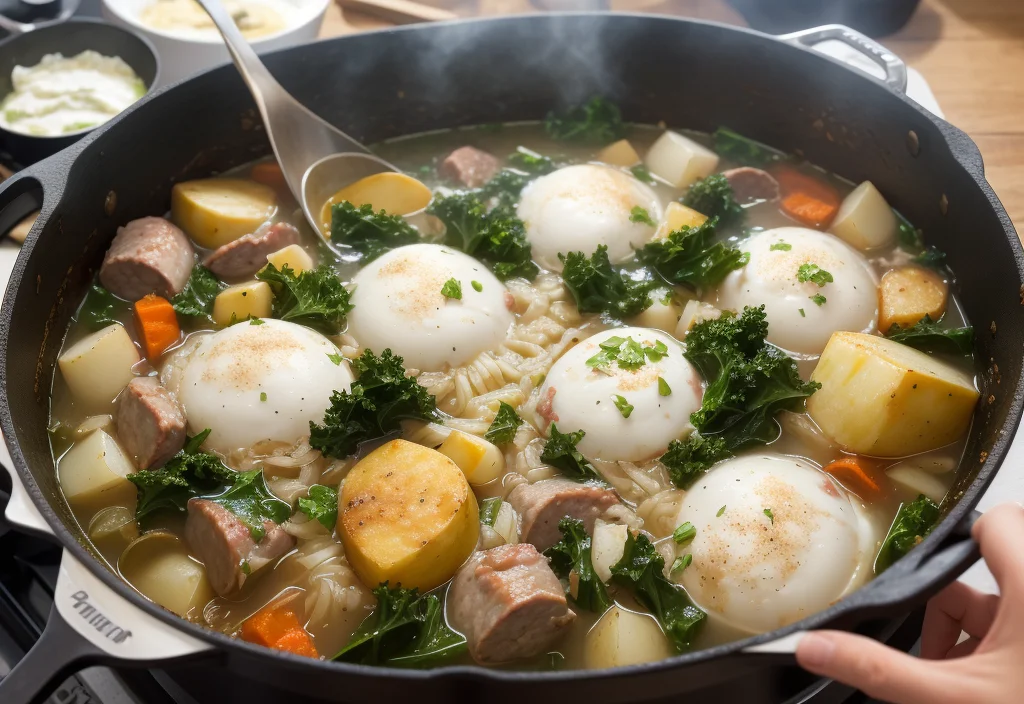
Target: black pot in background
872,17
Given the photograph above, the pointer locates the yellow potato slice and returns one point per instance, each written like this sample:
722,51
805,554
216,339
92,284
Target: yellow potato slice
621,638
907,294
619,153
237,303
407,515
215,211
292,256
159,566
676,217
884,399
392,192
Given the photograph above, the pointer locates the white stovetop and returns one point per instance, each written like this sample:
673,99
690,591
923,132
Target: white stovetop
1009,482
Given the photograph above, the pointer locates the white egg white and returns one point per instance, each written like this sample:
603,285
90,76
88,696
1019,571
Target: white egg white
777,540
577,208
580,397
398,304
795,321
249,383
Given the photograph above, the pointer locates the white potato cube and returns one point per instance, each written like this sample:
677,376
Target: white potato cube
480,460
663,314
884,399
99,366
292,256
621,638
865,220
606,547
249,300
679,160
92,474
917,481
619,153
159,566
676,217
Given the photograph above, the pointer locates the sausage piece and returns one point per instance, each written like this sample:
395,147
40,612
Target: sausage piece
750,184
148,255
150,424
470,166
225,546
544,504
508,603
248,254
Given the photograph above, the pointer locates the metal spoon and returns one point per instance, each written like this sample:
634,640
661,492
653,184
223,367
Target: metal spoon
317,159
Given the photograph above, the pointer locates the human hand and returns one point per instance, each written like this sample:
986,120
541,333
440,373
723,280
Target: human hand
986,668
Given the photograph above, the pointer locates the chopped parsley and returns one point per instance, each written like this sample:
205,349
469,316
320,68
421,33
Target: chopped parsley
599,288
813,273
336,358
625,408
657,352
913,522
681,563
369,233
641,173
627,352
781,247
597,122
713,197
663,388
639,214
477,286
930,336
771,516
315,297
255,321
489,508
380,398
321,505
802,313
504,426
263,395
720,512
690,256
452,289
196,299
560,452
818,299
573,554
684,533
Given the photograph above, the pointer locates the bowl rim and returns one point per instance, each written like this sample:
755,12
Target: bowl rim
153,84
116,8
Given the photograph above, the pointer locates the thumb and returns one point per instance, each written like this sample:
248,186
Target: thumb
876,669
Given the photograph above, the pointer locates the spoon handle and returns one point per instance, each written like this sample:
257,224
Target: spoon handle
299,137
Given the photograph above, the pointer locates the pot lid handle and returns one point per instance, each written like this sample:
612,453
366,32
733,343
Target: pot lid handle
893,68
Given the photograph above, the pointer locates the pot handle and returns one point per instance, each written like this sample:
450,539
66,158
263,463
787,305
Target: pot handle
911,583
89,624
894,68
20,195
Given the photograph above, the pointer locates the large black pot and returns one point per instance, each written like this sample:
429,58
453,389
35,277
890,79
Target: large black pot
395,82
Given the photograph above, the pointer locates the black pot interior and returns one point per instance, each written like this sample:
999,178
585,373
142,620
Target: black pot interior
398,82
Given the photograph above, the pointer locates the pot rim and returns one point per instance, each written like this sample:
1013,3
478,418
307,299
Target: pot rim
964,151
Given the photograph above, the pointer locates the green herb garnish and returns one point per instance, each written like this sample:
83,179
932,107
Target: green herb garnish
663,388
623,405
489,508
321,505
452,289
813,273
573,554
684,533
771,516
504,426
639,214
818,299
781,247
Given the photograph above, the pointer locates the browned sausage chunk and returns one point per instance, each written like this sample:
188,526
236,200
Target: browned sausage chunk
248,254
508,603
150,425
750,184
544,504
470,167
148,255
225,546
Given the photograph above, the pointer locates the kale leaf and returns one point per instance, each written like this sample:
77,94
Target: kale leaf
196,299
489,508
531,162
367,232
913,522
930,336
933,258
690,256
599,288
504,426
713,197
315,297
597,122
560,452
573,554
743,150
100,309
641,570
189,474
253,503
381,397
321,505
406,630
686,460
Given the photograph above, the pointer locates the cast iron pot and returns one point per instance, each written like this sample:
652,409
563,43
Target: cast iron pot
402,81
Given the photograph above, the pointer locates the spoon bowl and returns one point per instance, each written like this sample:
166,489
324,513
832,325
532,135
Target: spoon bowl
328,175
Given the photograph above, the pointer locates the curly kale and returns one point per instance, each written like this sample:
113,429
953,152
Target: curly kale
573,554
714,198
314,297
196,299
690,256
597,122
913,522
599,288
367,232
560,452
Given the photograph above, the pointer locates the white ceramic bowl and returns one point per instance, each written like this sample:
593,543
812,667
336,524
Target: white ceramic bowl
181,57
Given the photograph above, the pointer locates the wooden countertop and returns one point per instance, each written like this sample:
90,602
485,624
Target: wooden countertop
970,51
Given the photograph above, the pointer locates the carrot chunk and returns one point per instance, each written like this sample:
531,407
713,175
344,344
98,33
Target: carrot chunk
807,200
158,324
269,174
279,628
853,474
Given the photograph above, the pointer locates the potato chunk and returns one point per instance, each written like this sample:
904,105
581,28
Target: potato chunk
884,399
621,638
99,365
907,294
395,193
407,516
236,303
865,219
481,461
215,211
676,217
293,256
619,153
663,313
92,474
606,547
679,160
159,566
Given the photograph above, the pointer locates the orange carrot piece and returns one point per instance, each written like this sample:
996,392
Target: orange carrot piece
158,324
269,174
280,629
806,199
852,473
